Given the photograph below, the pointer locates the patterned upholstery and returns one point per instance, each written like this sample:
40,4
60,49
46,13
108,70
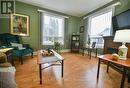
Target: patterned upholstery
6,39
3,58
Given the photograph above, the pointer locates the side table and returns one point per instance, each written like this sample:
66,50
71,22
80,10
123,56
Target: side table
108,58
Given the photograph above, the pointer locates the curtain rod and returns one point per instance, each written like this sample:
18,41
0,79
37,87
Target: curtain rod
43,11
114,4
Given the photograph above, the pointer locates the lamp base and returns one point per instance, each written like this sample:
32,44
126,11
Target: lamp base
123,52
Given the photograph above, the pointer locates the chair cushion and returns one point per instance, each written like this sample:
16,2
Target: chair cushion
20,46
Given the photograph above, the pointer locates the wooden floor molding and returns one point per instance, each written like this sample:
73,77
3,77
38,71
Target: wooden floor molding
79,72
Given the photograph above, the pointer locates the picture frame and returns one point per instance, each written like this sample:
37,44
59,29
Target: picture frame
20,24
81,29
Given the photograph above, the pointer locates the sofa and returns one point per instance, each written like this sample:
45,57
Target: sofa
13,41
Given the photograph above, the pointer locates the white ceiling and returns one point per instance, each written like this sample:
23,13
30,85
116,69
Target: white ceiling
70,7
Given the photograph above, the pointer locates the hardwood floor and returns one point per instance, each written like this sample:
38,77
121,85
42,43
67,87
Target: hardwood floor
79,72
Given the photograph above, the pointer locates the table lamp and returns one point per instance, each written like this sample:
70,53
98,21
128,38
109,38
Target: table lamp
124,37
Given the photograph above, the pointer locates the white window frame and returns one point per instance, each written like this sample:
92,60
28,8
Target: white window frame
100,12
52,15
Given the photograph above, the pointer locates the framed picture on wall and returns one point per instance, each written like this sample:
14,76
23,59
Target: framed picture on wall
19,24
81,29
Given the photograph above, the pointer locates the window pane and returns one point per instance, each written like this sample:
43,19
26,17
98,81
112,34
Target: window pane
100,25
53,29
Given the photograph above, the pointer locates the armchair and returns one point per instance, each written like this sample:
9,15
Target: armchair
7,39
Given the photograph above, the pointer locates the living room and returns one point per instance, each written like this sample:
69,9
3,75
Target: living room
80,68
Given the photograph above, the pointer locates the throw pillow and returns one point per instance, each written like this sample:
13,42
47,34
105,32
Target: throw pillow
20,46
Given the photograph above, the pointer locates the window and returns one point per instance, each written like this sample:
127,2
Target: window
100,25
52,29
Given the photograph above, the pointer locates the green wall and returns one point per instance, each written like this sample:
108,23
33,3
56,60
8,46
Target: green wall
31,11
125,4
4,25
71,25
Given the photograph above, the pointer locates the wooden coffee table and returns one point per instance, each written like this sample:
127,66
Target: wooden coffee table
49,59
108,58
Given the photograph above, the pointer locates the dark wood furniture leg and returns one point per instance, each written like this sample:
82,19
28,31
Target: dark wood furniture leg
123,78
96,53
62,68
99,61
32,54
40,73
129,76
83,52
12,60
108,63
21,59
90,50
10,57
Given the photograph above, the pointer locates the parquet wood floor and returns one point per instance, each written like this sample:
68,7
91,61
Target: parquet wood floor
79,72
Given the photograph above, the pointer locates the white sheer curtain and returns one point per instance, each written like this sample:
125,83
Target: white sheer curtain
100,25
52,29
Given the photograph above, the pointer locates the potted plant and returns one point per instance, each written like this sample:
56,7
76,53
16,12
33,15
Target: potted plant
57,46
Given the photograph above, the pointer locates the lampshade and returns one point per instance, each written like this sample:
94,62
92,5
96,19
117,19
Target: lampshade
122,36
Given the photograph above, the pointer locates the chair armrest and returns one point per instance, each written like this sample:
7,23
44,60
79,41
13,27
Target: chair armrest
14,47
26,45
2,47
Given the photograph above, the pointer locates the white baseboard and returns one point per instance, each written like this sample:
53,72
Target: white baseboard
65,51
35,53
